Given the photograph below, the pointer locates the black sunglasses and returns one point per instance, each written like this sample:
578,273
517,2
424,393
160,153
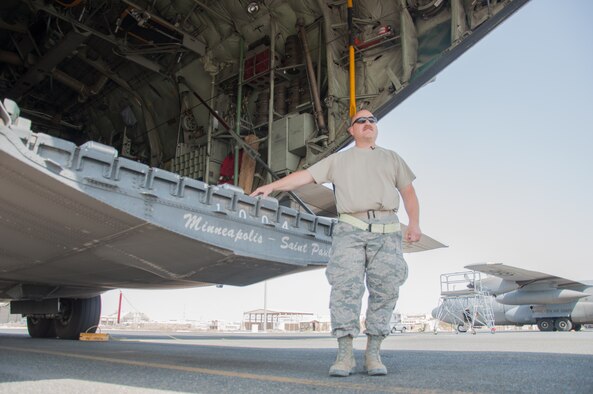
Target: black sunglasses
363,119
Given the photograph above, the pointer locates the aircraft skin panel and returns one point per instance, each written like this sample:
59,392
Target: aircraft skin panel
582,312
399,47
442,60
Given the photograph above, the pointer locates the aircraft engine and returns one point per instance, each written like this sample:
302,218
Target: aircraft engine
540,297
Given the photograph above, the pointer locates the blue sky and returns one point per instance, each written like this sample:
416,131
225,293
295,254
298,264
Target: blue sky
501,144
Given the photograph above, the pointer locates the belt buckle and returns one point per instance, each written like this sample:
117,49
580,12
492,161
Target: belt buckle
370,229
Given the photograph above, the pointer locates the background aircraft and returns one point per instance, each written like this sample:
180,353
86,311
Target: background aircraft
183,87
524,297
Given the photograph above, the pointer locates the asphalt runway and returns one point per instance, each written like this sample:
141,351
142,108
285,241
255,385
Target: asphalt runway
151,362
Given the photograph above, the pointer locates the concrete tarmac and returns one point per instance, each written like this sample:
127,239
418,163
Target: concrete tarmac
150,362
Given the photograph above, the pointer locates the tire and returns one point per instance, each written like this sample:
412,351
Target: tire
461,328
39,327
577,326
563,324
545,325
79,315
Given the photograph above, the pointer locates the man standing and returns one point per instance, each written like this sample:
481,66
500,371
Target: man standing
367,240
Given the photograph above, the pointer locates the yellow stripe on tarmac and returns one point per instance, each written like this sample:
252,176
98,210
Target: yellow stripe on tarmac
242,375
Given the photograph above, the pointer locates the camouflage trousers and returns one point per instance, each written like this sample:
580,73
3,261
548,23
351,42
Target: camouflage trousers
358,255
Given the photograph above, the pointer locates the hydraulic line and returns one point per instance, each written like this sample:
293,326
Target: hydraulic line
351,62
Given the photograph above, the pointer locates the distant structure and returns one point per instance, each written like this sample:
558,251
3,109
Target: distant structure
109,320
4,312
282,321
5,316
135,318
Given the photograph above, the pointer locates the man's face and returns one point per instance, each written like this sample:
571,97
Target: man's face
363,127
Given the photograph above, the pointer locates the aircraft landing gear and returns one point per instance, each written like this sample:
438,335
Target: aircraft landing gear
546,325
76,316
40,327
79,315
559,324
563,324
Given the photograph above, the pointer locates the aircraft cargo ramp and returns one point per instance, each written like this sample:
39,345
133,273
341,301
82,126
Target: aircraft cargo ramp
75,218
79,220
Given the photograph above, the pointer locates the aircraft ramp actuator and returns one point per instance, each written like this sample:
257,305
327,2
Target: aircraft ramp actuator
465,302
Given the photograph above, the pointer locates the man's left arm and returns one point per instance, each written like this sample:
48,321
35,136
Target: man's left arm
412,206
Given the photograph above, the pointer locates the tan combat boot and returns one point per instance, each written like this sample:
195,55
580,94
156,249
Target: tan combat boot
345,363
372,358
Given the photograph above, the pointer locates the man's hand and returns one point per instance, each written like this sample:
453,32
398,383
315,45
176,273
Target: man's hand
264,190
413,233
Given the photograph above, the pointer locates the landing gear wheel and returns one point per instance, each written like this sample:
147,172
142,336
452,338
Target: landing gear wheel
461,328
79,315
546,325
563,324
39,327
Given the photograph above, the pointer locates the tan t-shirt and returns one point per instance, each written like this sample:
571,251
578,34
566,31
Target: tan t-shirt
364,179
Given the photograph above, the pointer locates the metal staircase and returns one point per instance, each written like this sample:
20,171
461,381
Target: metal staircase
464,302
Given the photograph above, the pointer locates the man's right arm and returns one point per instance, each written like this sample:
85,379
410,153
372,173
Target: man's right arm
289,182
412,206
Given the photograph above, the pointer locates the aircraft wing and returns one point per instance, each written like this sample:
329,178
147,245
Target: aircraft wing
521,276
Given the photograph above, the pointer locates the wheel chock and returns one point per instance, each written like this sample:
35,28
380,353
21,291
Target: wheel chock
87,336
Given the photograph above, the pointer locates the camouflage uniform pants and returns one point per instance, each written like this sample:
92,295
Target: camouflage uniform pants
356,255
